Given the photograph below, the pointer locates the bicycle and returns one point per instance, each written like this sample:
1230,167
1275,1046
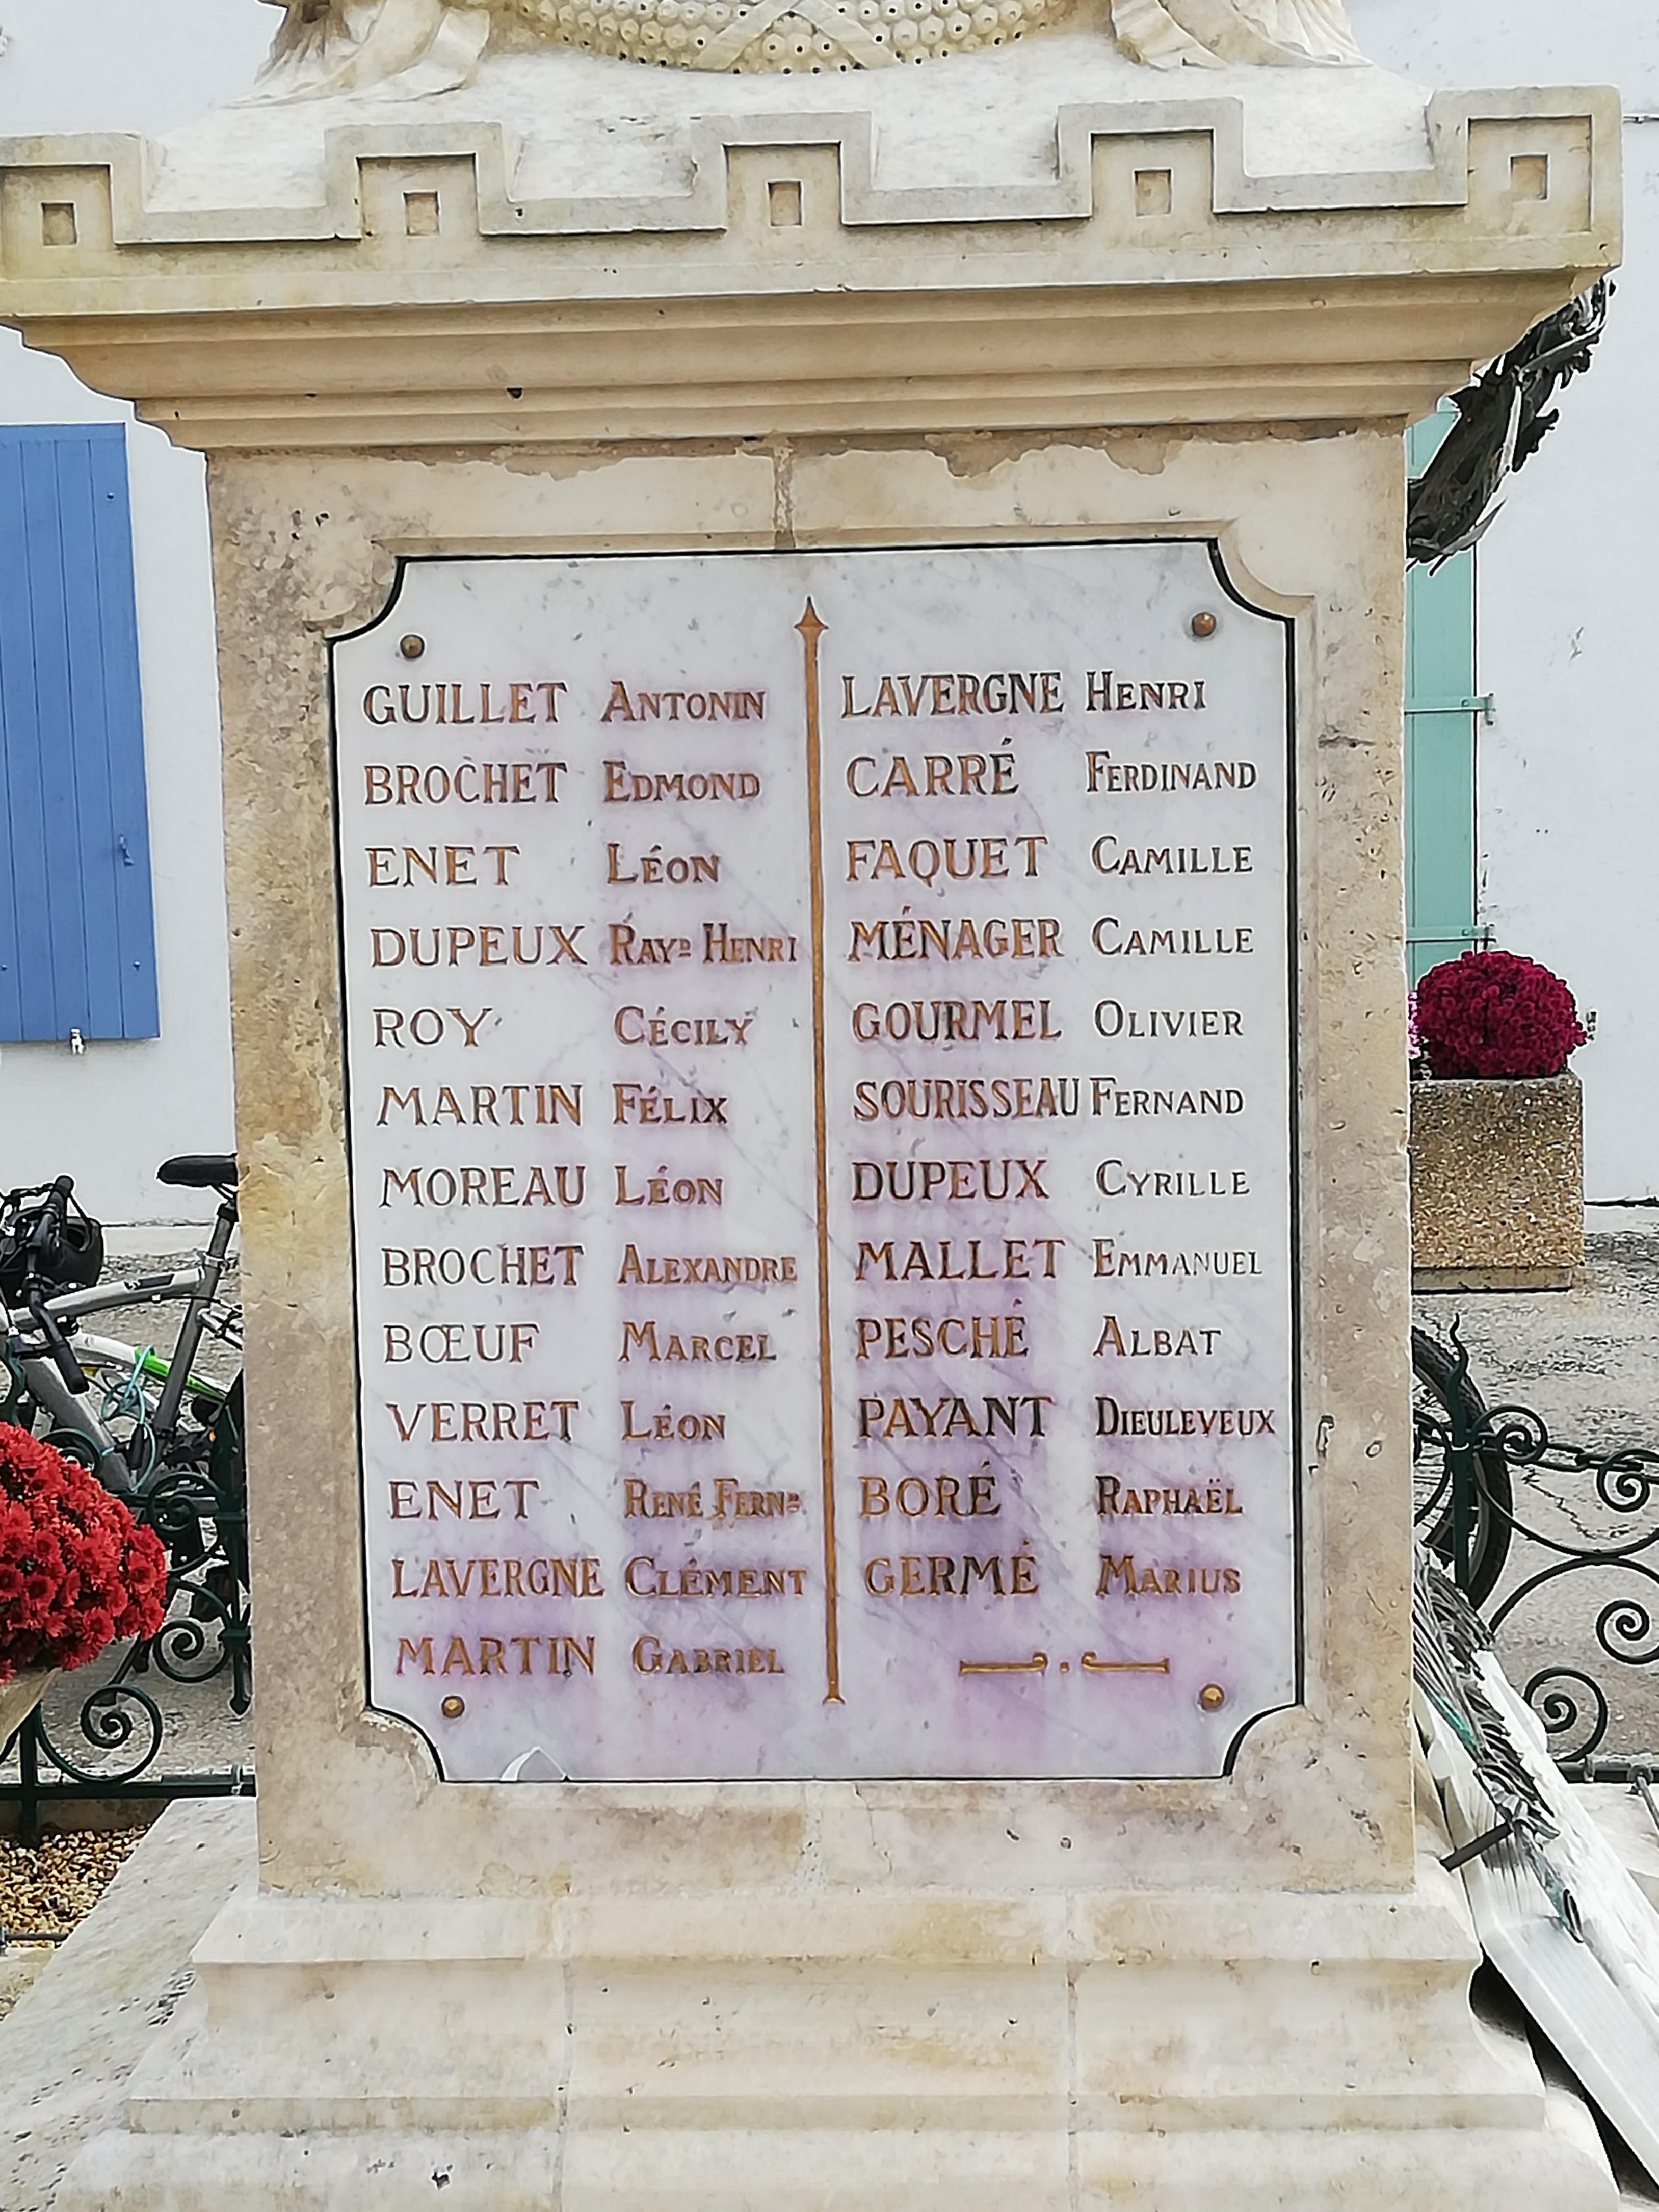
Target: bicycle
153,1414
166,1439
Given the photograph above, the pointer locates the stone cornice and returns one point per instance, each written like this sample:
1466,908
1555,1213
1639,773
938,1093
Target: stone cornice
820,365
417,301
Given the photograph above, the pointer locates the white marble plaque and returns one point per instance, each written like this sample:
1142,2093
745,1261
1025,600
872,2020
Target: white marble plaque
821,1095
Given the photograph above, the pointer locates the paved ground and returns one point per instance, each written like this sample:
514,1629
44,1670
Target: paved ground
158,1325
1587,1360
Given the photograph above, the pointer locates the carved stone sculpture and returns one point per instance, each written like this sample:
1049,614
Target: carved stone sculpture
1167,33
407,48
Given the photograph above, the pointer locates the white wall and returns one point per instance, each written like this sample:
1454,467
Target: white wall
1568,807
109,1115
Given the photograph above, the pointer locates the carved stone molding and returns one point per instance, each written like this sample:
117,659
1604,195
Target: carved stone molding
419,48
421,297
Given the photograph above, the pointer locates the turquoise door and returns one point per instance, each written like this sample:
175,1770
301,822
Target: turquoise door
1441,710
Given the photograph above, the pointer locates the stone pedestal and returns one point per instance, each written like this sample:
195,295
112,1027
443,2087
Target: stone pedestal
864,2045
1045,297
1497,1184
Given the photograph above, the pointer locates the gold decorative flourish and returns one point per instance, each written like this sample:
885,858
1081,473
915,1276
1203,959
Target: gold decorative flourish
812,630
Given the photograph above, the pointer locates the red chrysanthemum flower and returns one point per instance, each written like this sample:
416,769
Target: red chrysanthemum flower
75,1570
1495,1014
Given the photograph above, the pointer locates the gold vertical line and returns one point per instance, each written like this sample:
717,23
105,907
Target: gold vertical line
812,630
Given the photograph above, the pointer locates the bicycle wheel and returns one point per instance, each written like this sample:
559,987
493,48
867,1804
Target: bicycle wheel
1439,1391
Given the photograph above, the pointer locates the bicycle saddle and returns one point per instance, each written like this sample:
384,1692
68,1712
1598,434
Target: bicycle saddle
198,1170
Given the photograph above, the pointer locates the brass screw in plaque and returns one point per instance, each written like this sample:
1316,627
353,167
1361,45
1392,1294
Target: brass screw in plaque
1204,625
412,648
452,1708
1212,1697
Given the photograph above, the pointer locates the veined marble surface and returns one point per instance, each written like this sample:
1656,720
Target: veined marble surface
993,1477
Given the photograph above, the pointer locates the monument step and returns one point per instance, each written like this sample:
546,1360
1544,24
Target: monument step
68,2046
1223,2053
1295,2171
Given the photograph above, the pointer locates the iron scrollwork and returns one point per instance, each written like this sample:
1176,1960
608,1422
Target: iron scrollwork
113,1717
1503,417
116,1738
1469,1459
204,1534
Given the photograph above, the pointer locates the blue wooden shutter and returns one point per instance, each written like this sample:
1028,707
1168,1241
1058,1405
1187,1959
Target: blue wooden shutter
1440,760
77,942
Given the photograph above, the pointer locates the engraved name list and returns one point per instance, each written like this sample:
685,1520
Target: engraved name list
820,1072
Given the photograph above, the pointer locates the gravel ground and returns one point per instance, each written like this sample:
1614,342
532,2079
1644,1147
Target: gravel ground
47,1889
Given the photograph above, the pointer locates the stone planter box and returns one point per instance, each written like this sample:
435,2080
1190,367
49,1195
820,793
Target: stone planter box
1497,1184
19,1697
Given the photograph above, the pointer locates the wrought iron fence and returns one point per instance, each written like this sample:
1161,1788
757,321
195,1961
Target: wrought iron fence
110,1746
1471,1459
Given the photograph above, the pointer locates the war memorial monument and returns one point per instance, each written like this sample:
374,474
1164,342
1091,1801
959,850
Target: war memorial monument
809,638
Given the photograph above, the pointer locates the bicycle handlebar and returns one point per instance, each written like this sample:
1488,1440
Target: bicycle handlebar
74,1377
42,1234
51,1213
